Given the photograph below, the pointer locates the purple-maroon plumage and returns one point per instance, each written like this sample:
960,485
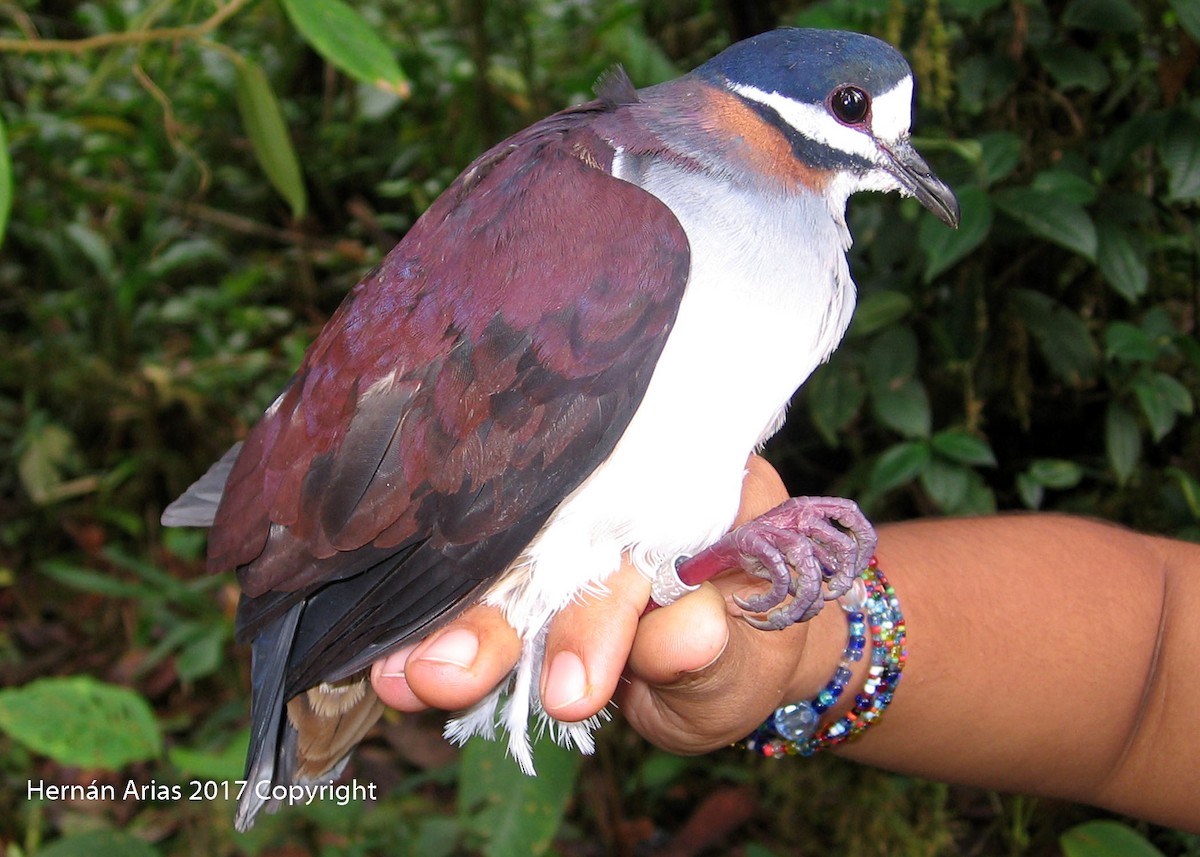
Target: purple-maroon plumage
523,392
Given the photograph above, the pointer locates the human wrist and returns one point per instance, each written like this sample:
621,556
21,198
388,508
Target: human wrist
821,657
877,634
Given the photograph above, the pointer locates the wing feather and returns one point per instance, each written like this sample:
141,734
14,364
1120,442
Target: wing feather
462,390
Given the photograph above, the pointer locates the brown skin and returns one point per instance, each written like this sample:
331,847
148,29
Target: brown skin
1049,655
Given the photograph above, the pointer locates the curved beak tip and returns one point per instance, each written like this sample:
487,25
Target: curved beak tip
916,178
946,207
934,194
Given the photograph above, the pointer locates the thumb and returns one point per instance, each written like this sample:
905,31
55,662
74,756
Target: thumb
699,678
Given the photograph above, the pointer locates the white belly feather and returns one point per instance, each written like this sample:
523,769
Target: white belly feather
759,314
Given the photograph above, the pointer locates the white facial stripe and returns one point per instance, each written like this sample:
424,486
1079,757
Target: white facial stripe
891,112
890,118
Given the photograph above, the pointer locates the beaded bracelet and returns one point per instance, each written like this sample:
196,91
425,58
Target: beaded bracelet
871,604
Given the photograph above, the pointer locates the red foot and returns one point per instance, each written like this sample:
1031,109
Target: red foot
799,545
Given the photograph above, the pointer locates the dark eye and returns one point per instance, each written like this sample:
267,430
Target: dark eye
850,104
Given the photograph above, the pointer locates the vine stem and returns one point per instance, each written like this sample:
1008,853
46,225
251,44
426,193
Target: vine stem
131,37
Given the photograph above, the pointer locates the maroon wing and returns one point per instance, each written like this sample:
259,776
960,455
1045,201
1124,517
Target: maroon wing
462,390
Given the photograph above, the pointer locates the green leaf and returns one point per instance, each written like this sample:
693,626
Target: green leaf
964,448
263,121
899,465
980,499
1055,472
339,34
1122,440
47,451
945,247
6,182
661,770
1109,16
1173,390
82,722
945,483
99,843
1105,838
1123,140
1062,336
227,763
1162,399
1188,14
1189,487
1051,217
515,813
904,408
95,247
184,254
87,580
1031,491
201,656
1065,184
1121,263
1159,414
641,55
1001,155
834,396
892,358
1074,67
1180,152
1128,343
878,310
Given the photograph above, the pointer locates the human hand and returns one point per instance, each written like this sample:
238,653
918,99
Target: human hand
685,701
696,675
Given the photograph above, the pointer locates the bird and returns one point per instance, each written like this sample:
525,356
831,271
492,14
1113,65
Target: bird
566,360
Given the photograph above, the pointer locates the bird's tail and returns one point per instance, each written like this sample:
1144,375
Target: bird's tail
309,739
269,661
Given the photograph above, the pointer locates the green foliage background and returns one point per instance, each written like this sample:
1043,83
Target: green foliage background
187,189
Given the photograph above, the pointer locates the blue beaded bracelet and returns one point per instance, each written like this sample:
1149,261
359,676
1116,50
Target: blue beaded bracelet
871,606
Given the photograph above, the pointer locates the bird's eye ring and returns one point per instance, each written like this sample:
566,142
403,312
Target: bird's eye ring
850,104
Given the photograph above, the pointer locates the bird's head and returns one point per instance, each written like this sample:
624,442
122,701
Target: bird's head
844,103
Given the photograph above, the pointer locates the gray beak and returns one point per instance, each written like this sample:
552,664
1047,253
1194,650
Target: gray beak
916,178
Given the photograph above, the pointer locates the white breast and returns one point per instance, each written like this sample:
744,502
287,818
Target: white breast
768,299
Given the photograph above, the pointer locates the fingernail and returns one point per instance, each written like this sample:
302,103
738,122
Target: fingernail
566,682
393,665
457,648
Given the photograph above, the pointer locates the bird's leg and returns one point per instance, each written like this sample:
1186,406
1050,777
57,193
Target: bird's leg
803,546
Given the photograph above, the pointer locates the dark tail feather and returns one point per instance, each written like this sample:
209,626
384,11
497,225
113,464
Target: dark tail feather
266,763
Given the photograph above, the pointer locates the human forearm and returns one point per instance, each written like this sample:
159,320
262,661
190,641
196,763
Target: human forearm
1036,661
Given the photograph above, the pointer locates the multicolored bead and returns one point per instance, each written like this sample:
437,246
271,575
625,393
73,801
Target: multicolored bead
793,729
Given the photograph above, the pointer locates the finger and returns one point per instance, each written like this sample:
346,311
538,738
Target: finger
387,678
684,704
587,646
683,638
453,668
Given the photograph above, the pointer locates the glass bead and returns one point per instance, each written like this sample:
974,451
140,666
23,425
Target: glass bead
796,721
